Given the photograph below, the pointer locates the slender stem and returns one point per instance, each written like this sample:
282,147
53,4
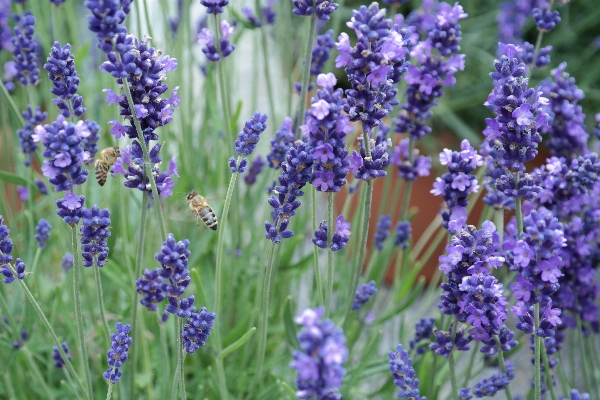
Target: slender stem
221,73
182,357
538,44
179,369
453,381
35,260
138,273
503,367
537,343
147,164
101,303
165,353
564,383
470,365
109,392
13,105
549,382
330,265
592,358
218,272
266,63
312,30
583,355
318,278
78,315
46,323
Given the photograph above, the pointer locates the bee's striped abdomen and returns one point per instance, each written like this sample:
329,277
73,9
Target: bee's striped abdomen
208,217
101,169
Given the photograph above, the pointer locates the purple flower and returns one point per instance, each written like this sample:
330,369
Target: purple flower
41,186
59,362
443,345
32,119
404,374
490,386
197,329
67,262
320,358
69,208
6,247
340,237
383,230
214,6
250,135
42,232
420,165
280,144
173,258
25,49
545,19
107,22
403,234
255,169
363,294
94,233
23,192
61,71
423,331
322,8
149,286
117,355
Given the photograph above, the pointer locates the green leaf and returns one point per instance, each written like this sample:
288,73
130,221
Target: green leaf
14,178
238,343
287,389
288,323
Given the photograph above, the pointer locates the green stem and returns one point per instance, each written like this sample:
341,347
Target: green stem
318,279
78,314
46,323
35,259
305,74
564,383
182,357
330,265
13,105
165,353
179,369
537,343
549,382
101,303
453,381
503,367
138,273
470,365
583,355
218,278
147,164
109,392
267,72
593,367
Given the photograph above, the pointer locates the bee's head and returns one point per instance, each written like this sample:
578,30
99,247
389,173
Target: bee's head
117,152
191,195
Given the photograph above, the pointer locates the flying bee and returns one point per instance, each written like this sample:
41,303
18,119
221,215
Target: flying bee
104,163
202,210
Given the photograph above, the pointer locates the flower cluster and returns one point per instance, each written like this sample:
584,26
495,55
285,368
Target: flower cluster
370,165
545,20
281,143
494,198
363,294
321,8
32,119
404,374
512,18
6,247
340,237
543,55
249,137
214,6
433,70
59,362
94,232
383,230
64,152
320,358
146,73
403,234
107,22
61,71
374,65
567,133
456,185
255,169
173,258
325,131
296,172
443,346
24,49
69,208
320,54
197,329
5,34
131,165
205,38
488,387
407,169
42,232
149,286
67,262
423,331
117,355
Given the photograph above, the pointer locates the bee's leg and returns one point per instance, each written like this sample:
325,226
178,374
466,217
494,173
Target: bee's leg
198,224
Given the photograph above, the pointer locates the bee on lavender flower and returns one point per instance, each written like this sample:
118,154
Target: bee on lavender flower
104,163
202,210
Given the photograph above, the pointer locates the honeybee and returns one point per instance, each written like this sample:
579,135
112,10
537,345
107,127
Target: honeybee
103,164
202,210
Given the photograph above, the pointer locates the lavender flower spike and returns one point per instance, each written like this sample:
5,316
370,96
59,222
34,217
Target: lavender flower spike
248,138
94,233
24,50
149,286
6,247
197,329
320,358
42,232
117,355
32,119
173,258
59,362
61,71
363,294
322,8
404,374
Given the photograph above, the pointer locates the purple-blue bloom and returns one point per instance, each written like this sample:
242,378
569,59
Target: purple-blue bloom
205,38
69,208
107,22
423,331
25,50
149,286
322,8
6,247
67,262
59,362
197,329
281,143
408,170
403,234
383,230
94,232
61,71
117,355
250,135
364,292
404,374
173,258
443,346
545,20
42,232
255,169
340,237
41,186
488,387
214,6
320,358
32,119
